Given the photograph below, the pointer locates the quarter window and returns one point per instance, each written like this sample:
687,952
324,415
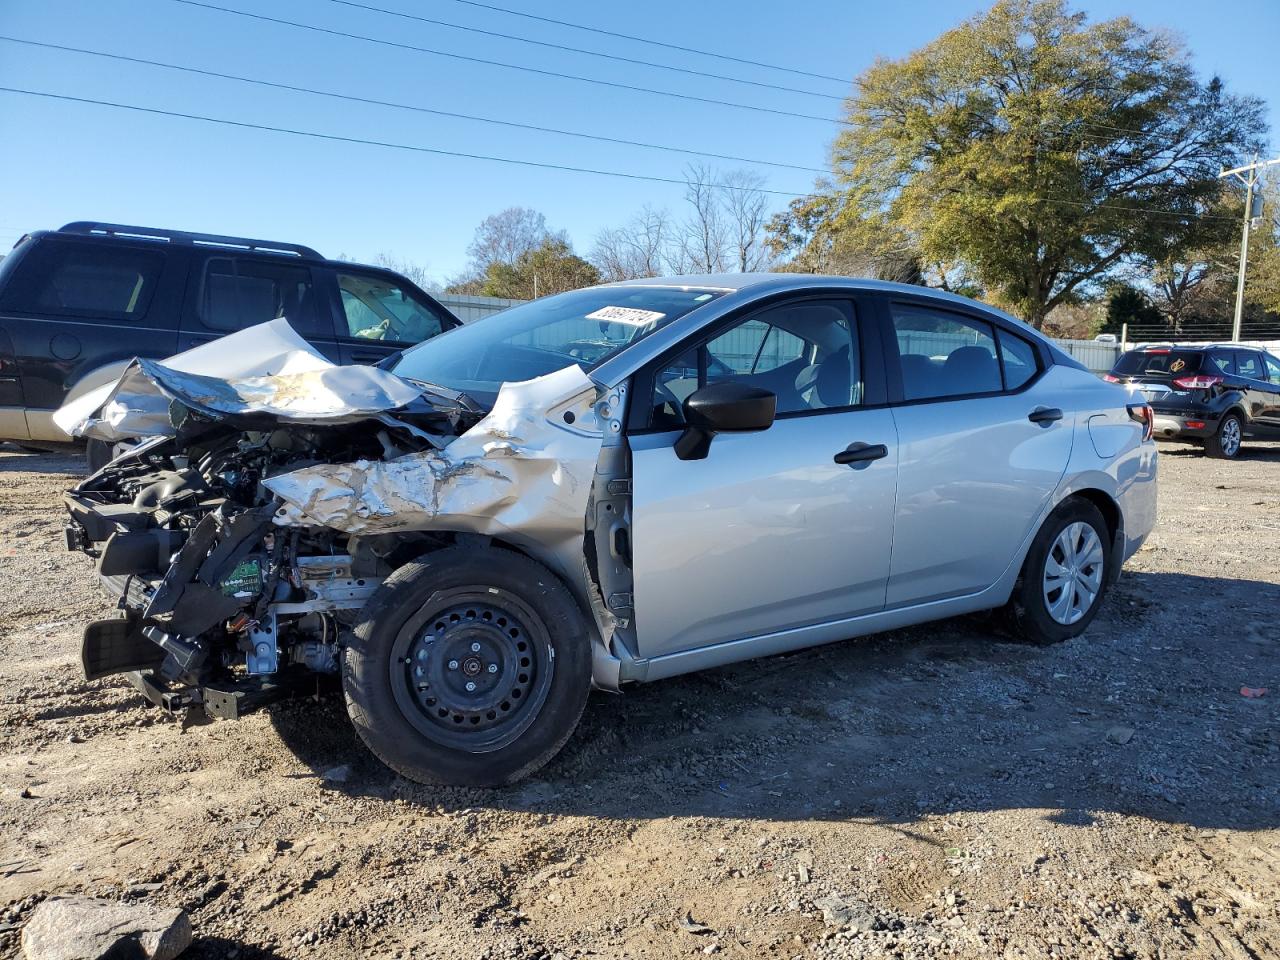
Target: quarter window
1017,360
806,354
379,309
241,293
81,279
1221,363
943,354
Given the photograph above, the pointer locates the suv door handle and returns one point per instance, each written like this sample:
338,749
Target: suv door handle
861,453
1045,415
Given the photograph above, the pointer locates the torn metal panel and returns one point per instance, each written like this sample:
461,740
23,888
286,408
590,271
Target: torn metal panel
526,467
265,370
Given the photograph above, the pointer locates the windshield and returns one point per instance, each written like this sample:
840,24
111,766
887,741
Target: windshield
585,327
1158,363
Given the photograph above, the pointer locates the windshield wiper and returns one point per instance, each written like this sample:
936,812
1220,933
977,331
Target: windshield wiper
457,397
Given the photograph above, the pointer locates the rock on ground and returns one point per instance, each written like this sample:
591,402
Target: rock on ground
84,928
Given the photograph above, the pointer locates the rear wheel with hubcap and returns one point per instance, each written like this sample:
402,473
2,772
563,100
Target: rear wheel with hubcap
471,667
1065,575
1225,444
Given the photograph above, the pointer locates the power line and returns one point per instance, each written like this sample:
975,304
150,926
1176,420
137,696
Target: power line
590,53
509,66
405,106
656,43
337,138
383,143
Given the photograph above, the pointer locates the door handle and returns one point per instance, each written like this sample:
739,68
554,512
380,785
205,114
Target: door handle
861,453
364,357
1045,415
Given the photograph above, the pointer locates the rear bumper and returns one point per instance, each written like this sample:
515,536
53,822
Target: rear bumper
1169,426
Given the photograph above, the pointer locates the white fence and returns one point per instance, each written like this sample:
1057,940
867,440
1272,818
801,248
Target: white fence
468,309
1094,354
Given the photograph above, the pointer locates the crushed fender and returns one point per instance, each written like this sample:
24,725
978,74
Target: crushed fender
525,467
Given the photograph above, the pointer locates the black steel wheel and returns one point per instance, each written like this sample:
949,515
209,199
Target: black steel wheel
469,671
470,667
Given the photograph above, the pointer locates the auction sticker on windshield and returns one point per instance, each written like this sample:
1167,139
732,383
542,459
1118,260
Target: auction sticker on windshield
629,315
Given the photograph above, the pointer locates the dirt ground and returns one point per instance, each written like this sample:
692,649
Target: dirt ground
939,792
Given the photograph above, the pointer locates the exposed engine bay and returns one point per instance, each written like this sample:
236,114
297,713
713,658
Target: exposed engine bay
242,539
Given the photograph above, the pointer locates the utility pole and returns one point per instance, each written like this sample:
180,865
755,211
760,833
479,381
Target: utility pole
1251,183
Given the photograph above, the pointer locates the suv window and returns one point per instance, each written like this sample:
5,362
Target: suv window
1273,368
943,354
1220,361
805,353
377,308
1160,362
239,293
1249,365
85,279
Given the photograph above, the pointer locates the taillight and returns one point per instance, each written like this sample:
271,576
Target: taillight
1143,414
1197,383
1110,379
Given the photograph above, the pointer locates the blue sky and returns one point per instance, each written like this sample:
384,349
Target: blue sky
66,161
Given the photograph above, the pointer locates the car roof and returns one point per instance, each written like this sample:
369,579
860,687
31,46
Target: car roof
764,282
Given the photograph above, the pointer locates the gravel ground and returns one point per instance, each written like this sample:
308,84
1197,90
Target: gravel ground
932,792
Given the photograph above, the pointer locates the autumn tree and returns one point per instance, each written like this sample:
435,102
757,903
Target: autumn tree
1031,150
551,267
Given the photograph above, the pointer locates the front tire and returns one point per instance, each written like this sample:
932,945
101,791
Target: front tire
1064,577
1225,443
470,667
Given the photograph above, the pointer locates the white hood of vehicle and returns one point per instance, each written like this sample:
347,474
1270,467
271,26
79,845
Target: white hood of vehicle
266,369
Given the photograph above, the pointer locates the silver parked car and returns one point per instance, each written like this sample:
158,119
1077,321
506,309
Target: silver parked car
609,486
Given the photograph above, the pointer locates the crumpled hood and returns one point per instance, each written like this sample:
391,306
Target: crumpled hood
263,370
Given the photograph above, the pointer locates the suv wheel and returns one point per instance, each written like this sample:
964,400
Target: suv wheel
1064,577
1225,444
470,667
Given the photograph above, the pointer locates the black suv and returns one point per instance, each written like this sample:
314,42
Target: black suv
1216,394
77,304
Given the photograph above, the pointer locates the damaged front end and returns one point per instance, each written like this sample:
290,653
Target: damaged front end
274,495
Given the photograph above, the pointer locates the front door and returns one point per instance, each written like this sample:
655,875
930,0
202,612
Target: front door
768,532
381,315
1268,387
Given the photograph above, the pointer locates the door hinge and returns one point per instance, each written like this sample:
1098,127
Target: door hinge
619,488
620,601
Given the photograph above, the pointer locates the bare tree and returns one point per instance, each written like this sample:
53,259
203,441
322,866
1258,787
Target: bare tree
705,238
637,249
746,208
415,272
503,237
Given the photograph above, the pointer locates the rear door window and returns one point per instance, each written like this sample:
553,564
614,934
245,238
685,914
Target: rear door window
1018,360
944,354
1249,365
237,293
85,280
1273,368
1162,364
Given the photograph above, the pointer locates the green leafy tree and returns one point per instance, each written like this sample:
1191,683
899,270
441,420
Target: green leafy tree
1128,305
1026,151
551,267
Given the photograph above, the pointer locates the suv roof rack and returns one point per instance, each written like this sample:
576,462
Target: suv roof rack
194,239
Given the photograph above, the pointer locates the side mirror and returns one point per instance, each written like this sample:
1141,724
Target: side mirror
728,407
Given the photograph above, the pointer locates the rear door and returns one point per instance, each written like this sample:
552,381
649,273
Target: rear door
983,443
1268,389
77,309
378,313
229,292
1251,379
770,532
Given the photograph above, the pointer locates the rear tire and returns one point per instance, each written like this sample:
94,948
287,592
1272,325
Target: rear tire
470,667
1226,442
1065,576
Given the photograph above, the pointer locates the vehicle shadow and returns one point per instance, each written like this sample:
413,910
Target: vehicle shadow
1262,451
1143,715
68,462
